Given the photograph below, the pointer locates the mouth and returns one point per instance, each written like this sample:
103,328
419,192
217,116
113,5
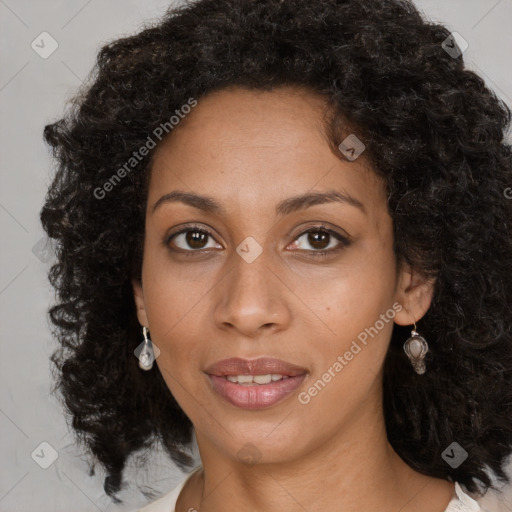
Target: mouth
255,384
256,380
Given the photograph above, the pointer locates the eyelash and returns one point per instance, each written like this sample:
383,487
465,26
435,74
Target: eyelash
344,241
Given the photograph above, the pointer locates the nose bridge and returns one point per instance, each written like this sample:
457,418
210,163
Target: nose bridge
252,296
252,269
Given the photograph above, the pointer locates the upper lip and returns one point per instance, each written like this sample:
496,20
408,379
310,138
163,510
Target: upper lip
261,366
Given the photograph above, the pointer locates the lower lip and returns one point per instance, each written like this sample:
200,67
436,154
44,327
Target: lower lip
257,396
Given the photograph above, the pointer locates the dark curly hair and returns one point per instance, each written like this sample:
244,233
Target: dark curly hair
432,130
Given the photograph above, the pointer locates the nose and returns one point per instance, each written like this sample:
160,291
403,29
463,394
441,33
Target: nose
251,298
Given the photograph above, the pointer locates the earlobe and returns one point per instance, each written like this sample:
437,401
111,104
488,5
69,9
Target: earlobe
138,296
414,292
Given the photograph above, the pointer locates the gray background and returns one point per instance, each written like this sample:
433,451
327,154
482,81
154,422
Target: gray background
33,92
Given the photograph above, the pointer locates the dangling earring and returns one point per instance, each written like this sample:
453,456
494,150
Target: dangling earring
416,348
146,356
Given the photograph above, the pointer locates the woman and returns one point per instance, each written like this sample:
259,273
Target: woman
284,225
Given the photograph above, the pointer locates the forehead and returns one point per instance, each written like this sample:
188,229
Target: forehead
249,146
284,118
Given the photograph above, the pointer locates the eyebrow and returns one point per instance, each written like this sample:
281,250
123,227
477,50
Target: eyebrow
285,207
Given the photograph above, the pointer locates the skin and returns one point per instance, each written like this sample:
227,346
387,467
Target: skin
249,150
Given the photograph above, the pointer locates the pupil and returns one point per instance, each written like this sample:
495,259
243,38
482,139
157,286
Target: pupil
194,239
318,237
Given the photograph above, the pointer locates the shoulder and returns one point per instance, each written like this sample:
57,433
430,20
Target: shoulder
167,502
462,502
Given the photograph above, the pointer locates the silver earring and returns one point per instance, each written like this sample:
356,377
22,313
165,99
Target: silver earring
416,348
146,356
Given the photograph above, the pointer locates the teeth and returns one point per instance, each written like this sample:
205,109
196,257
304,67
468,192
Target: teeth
262,379
249,380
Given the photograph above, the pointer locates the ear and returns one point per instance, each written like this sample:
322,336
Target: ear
138,295
414,292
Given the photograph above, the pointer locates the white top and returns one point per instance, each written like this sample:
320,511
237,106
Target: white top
461,502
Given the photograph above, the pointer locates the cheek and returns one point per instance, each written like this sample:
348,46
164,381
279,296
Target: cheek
355,308
174,309
173,305
172,291
351,295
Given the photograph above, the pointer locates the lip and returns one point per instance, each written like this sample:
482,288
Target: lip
261,366
257,396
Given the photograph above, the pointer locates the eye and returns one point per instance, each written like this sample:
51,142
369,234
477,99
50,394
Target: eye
323,241
191,239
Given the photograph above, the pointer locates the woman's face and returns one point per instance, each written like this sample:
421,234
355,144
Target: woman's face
259,284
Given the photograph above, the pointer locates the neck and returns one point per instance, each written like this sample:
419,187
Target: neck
349,473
